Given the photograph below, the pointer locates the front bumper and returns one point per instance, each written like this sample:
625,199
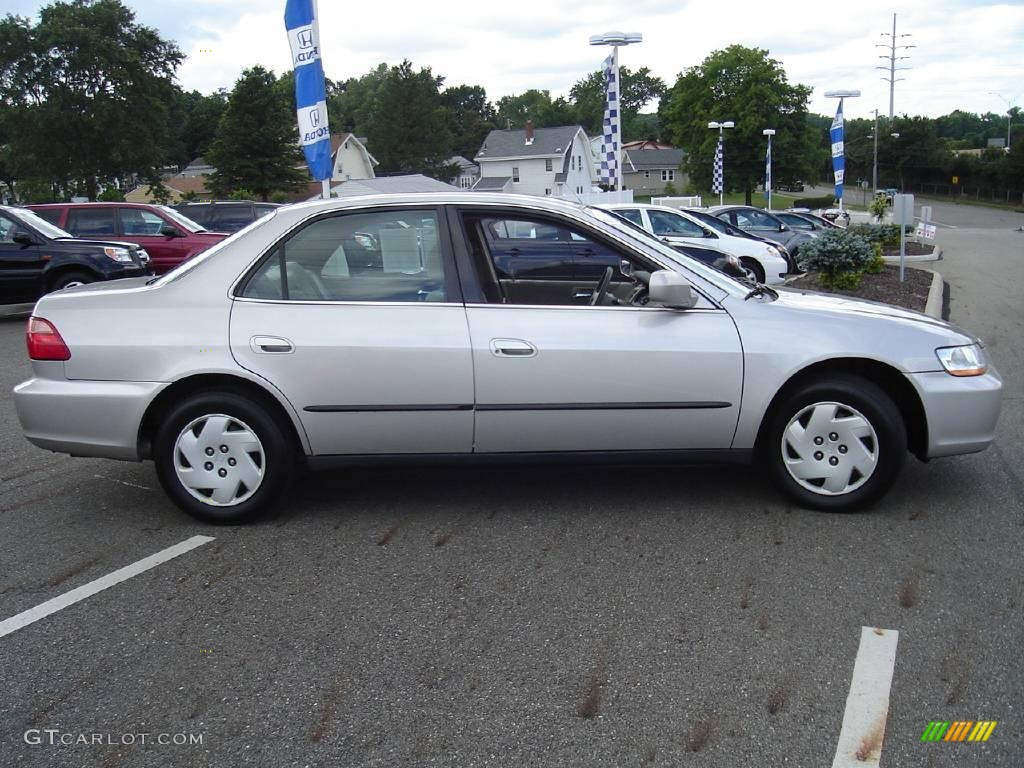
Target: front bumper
85,418
961,411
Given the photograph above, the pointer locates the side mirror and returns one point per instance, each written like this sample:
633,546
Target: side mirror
168,231
24,238
783,228
672,290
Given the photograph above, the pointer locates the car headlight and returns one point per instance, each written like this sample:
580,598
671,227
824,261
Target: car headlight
968,360
120,255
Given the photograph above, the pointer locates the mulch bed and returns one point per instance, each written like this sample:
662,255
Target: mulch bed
910,249
886,287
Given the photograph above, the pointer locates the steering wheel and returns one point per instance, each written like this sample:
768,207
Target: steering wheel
602,287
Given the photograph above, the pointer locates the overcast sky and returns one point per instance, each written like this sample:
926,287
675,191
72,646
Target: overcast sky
965,48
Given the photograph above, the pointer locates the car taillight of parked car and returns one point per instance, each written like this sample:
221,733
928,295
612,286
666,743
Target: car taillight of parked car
44,341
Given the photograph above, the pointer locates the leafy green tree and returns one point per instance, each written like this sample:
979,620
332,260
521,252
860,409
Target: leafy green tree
746,86
351,104
256,147
470,117
639,89
89,89
538,106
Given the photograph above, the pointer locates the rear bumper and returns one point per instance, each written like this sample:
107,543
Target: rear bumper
962,412
84,418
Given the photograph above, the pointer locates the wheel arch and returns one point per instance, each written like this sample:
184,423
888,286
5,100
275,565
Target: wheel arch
226,382
50,276
890,379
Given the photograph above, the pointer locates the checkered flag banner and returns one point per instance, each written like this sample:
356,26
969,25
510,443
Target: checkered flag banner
718,173
838,159
768,170
610,127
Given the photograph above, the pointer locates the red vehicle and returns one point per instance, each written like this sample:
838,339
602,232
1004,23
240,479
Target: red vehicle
168,236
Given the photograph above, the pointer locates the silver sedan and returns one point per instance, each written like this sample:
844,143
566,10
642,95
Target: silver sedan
397,328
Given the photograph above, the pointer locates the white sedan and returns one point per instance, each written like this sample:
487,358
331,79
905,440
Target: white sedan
761,260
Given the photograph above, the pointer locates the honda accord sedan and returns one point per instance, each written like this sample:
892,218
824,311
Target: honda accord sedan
407,328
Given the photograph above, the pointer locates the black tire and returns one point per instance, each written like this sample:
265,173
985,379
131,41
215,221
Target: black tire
277,461
754,267
855,394
69,278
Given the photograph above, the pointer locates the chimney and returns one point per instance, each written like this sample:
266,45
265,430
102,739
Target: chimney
529,132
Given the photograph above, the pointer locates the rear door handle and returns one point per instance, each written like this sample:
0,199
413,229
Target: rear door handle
512,348
264,345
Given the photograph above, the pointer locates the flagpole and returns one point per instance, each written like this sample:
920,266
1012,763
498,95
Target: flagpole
325,184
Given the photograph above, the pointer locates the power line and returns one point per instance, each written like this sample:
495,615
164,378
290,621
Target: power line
893,45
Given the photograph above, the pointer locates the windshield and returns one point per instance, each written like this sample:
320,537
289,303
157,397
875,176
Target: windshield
42,226
182,219
626,227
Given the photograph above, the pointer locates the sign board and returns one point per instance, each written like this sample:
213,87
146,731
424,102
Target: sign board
903,209
956,179
925,231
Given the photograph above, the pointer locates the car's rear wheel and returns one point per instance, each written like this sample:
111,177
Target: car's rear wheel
753,269
222,458
71,279
836,444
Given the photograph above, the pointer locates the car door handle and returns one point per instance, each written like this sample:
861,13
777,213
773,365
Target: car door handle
512,348
271,345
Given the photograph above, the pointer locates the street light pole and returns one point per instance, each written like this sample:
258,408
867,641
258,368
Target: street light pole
1009,115
769,132
720,126
617,40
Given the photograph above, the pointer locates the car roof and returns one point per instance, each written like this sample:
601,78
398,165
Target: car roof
97,204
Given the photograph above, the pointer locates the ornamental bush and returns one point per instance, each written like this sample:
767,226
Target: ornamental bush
883,234
814,203
838,256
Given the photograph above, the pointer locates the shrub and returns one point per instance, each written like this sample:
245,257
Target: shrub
839,256
279,197
878,207
241,194
877,265
814,203
111,195
883,234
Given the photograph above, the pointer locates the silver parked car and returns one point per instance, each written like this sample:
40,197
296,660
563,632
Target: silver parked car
406,326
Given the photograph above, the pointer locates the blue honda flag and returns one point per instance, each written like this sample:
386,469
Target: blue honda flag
310,93
838,161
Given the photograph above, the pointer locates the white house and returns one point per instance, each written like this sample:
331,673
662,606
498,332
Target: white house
468,174
544,161
350,158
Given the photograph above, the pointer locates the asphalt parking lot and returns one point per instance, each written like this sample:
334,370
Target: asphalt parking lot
562,616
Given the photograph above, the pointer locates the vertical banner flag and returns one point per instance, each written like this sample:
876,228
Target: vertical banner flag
838,161
310,94
768,171
718,172
610,136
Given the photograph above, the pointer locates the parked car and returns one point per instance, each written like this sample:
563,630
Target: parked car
169,237
796,186
760,222
839,216
725,228
37,257
225,215
760,261
287,353
805,221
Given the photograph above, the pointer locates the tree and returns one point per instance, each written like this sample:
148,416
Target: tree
89,90
470,117
639,89
407,125
350,105
256,147
538,106
746,86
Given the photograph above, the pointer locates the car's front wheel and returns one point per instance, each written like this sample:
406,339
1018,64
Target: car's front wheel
753,269
836,444
222,458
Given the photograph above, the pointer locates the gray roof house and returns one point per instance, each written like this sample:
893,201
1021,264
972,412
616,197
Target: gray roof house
647,171
543,161
406,183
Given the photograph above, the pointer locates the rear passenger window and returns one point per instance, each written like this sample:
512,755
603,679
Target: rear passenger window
390,256
89,222
51,215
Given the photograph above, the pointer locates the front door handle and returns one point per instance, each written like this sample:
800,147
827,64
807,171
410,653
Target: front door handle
512,348
263,345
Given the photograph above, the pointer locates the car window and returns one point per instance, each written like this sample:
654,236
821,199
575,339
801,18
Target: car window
7,229
140,222
200,214
796,222
754,220
630,214
230,218
388,256
92,222
51,215
668,223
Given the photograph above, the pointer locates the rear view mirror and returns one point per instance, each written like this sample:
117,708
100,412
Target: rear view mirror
672,290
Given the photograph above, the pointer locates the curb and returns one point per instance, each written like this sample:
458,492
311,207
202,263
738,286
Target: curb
933,306
935,255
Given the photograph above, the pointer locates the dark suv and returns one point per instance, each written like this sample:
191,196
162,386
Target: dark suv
227,215
37,257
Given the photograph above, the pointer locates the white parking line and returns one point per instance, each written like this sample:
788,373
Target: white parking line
867,706
41,611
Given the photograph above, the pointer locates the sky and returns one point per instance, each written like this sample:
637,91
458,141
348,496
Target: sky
967,51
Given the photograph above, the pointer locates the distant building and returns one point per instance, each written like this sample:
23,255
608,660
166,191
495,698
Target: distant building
544,161
648,171
468,174
350,159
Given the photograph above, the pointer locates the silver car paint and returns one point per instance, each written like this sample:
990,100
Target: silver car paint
180,326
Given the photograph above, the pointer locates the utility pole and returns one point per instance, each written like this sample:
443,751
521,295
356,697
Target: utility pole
893,46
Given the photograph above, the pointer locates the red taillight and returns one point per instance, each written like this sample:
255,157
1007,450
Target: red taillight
44,342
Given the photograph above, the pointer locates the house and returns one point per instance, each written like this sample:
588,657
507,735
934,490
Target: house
469,172
177,187
648,171
350,159
544,161
645,144
198,167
